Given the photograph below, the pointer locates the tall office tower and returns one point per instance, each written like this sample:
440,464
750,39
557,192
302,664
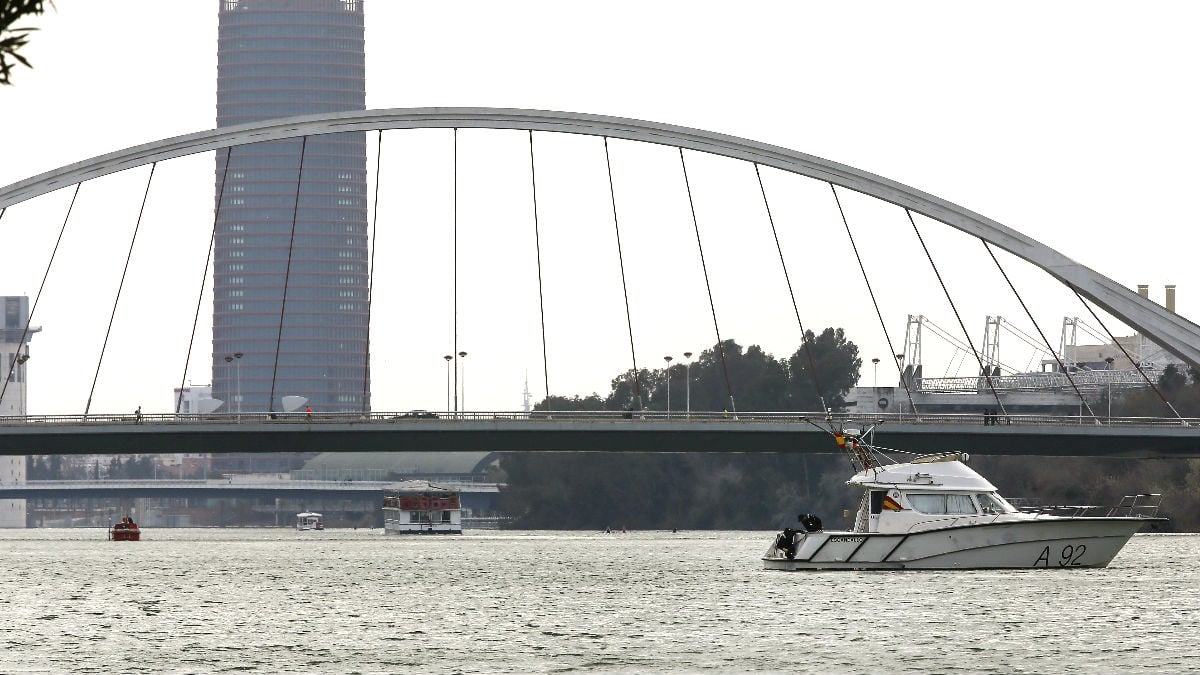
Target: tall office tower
290,260
14,352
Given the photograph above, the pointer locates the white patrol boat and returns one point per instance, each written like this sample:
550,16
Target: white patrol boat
936,513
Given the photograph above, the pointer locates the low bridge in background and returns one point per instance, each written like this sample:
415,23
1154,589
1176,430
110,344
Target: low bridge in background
232,487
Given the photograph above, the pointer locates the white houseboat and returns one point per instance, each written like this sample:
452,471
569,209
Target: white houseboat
309,521
423,508
934,512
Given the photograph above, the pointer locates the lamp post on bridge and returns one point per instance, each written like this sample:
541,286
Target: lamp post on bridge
228,365
1108,386
463,356
668,359
448,358
237,366
875,362
21,376
237,369
688,388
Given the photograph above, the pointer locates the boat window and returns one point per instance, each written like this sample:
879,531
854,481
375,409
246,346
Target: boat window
992,504
445,516
941,503
877,500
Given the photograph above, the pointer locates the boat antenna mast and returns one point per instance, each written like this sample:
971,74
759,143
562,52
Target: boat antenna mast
856,443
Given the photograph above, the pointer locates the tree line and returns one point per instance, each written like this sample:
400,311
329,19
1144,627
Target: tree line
52,467
753,378
641,490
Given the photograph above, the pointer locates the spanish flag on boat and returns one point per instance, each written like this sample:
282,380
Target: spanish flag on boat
891,504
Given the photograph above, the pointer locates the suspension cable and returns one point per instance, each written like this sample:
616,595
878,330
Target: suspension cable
871,292
120,286
287,273
212,240
1126,353
29,321
537,242
637,378
711,305
454,284
812,366
371,279
1029,314
983,369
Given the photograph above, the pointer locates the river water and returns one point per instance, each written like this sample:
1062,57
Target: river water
355,601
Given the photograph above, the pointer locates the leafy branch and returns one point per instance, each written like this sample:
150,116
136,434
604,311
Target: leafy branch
12,40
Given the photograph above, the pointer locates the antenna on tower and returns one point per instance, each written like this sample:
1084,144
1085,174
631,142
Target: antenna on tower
528,396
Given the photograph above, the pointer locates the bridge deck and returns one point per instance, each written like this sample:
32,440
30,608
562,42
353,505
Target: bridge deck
599,432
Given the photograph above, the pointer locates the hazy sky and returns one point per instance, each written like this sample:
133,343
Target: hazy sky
1073,122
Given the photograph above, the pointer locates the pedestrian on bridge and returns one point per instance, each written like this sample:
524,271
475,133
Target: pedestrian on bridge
137,415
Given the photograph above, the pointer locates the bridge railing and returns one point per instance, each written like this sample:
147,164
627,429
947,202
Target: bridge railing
239,482
592,416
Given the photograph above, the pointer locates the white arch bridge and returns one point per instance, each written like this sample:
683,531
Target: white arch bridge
1173,332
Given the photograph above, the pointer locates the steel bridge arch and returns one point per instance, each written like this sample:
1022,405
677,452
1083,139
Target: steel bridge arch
1175,333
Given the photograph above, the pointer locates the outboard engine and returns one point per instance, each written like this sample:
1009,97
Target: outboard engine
810,522
786,542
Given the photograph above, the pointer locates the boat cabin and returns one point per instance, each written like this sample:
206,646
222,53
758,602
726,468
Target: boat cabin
925,493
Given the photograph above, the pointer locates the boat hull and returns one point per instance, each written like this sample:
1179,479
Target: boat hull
421,528
1048,543
409,521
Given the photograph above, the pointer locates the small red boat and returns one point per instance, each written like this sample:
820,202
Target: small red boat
126,530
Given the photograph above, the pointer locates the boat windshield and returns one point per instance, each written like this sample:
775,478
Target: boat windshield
992,504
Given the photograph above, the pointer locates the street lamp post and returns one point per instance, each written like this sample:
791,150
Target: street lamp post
21,376
900,365
688,388
448,358
1108,386
668,360
228,364
875,362
238,368
463,356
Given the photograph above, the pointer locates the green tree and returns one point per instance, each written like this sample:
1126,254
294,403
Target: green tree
837,367
629,391
1172,381
562,403
13,39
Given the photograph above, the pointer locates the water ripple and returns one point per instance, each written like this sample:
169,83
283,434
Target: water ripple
276,601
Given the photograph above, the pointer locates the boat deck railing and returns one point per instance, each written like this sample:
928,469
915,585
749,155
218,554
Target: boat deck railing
1143,505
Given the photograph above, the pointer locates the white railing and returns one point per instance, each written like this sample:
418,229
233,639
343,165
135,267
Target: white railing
1084,379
